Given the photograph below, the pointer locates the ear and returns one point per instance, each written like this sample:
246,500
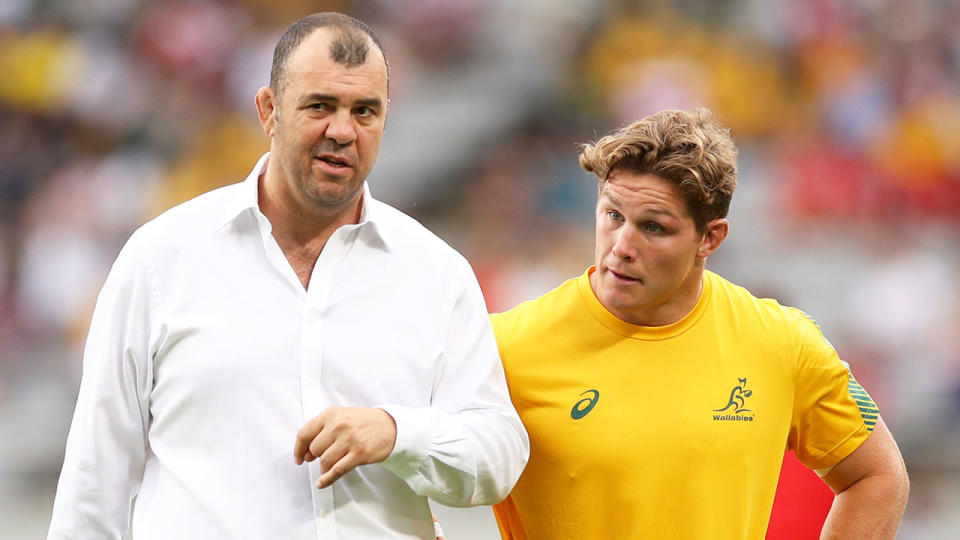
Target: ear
717,230
266,109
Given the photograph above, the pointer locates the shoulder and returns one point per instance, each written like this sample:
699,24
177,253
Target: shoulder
792,325
161,239
184,229
191,220
404,230
410,242
743,304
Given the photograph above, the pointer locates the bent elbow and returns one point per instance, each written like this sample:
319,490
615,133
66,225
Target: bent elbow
902,485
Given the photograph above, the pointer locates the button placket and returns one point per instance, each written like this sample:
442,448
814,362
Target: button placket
314,397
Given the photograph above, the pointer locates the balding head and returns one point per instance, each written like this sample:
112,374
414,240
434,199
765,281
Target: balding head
349,47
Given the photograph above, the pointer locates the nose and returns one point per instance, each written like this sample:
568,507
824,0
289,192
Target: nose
341,129
623,244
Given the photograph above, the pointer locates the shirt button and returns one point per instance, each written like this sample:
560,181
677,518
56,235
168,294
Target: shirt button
311,384
324,513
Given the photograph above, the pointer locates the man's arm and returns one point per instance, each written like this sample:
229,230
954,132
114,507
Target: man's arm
106,448
871,486
467,448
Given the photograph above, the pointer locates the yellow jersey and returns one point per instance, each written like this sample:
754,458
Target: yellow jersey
675,431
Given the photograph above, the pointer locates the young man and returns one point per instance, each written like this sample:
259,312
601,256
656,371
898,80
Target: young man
290,319
658,396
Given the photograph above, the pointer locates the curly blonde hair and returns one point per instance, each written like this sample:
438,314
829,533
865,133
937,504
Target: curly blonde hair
688,148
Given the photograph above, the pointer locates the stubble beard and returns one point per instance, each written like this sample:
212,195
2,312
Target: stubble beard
328,200
323,193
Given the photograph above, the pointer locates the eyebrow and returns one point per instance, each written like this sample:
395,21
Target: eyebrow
375,103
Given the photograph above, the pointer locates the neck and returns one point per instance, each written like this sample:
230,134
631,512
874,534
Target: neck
297,225
664,312
682,304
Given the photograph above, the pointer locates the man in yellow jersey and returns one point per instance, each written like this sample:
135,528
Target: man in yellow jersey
659,397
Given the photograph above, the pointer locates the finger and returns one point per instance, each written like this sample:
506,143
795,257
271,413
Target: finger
308,457
332,455
437,530
340,468
305,436
323,441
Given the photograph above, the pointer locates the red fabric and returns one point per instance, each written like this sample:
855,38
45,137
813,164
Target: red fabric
801,504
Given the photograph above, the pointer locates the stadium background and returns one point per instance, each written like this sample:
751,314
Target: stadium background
846,113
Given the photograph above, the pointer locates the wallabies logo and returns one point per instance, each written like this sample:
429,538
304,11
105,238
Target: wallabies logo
736,405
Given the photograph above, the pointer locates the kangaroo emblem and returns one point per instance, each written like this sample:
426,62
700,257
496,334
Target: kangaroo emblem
738,398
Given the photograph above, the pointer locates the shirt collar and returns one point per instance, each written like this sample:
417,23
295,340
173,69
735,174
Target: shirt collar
374,219
373,215
245,197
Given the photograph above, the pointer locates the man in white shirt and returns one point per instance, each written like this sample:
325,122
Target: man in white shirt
288,357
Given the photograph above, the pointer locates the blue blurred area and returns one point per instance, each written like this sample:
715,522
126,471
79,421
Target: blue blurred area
846,113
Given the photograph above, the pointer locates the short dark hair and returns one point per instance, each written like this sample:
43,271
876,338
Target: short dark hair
348,48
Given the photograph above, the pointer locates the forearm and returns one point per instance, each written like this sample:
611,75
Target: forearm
102,469
870,508
500,449
468,447
465,459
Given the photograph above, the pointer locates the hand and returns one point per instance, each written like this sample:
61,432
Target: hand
343,438
436,527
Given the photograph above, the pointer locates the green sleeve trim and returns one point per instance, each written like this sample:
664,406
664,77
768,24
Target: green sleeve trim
868,409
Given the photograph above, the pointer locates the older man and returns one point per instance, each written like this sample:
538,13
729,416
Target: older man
660,397
286,320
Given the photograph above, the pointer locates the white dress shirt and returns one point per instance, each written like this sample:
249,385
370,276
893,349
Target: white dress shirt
206,355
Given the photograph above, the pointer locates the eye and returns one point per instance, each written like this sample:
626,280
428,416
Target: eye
614,215
364,111
652,227
319,107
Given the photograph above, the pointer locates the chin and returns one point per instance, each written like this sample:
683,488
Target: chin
332,194
618,300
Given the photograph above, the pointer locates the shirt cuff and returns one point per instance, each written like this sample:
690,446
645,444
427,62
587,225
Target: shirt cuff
415,428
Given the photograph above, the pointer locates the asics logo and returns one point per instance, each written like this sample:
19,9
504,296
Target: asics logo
585,405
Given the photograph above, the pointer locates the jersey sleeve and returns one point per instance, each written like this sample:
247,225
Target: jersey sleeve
832,414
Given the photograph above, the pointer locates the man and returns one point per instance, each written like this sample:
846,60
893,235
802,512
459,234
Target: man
659,397
288,357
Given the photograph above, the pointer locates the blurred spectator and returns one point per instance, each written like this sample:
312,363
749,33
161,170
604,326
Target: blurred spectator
846,112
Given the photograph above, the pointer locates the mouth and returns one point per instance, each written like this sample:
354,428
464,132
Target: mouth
335,161
623,278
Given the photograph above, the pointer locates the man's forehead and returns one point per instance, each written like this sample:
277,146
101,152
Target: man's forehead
648,193
311,70
638,184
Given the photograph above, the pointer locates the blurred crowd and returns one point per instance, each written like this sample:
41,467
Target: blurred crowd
846,113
